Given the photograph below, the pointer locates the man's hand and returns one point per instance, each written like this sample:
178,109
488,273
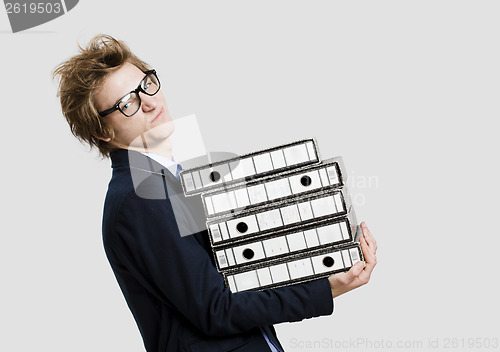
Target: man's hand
360,273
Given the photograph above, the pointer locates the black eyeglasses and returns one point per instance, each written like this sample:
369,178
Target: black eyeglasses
130,103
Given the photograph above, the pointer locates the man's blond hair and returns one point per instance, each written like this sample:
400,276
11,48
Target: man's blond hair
81,77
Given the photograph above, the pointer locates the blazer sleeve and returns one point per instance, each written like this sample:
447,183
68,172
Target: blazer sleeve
180,272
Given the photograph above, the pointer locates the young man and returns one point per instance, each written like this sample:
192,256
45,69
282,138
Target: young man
112,100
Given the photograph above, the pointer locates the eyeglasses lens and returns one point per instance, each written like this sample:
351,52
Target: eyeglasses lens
129,104
150,84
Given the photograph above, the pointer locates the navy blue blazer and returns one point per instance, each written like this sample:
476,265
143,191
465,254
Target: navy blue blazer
170,282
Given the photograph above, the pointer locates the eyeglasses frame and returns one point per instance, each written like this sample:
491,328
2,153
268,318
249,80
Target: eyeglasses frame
136,91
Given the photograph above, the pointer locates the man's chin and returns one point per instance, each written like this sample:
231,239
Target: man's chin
154,136
162,131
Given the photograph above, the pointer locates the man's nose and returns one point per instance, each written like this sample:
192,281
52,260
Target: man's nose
148,102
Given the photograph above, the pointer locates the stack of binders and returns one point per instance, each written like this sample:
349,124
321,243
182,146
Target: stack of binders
278,216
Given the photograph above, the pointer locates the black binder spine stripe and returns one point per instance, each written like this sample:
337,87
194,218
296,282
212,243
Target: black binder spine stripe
277,188
280,216
249,166
332,232
289,271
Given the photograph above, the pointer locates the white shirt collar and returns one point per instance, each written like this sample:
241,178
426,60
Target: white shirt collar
170,164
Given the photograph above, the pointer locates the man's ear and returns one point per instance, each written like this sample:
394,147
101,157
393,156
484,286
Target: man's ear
102,138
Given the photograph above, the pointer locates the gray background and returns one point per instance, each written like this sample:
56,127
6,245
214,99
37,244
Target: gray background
406,91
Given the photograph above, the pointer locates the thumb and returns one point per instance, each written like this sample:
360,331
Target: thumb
346,278
357,268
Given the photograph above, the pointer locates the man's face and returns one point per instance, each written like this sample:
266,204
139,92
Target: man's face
151,125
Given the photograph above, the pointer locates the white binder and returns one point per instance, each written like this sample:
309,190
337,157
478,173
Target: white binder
328,174
294,269
300,239
249,166
279,216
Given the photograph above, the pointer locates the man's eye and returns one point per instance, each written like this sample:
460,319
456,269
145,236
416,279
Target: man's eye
147,83
126,106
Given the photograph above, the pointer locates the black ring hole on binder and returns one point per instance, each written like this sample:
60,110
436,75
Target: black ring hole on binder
305,181
242,227
214,176
328,261
248,253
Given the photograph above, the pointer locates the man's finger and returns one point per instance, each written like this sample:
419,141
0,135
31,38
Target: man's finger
371,243
347,277
370,257
369,237
365,275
